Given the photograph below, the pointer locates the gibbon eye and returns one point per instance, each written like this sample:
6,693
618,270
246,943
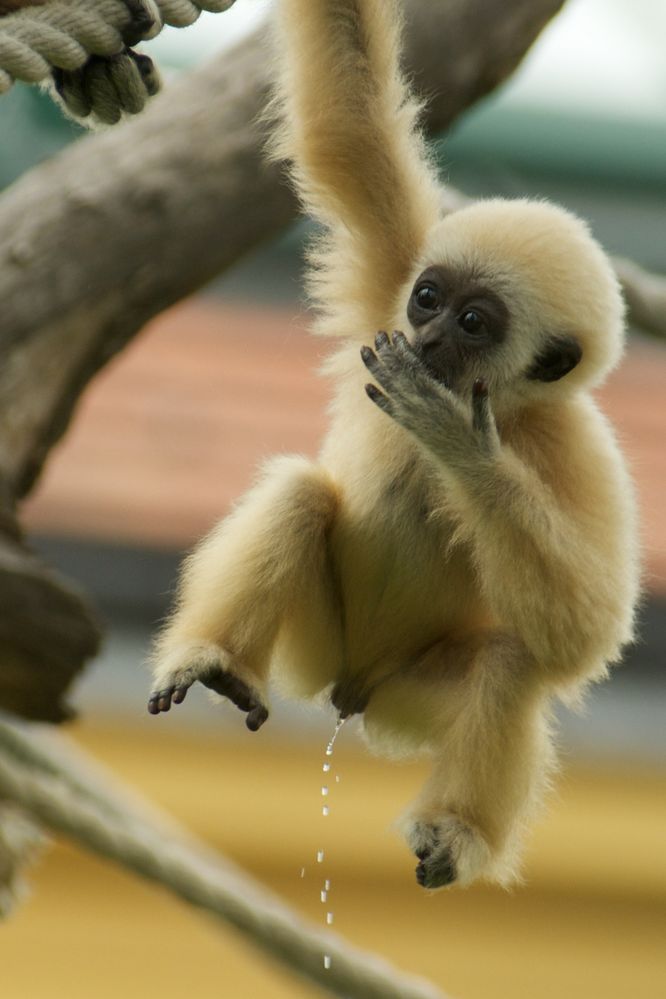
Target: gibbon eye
471,322
427,297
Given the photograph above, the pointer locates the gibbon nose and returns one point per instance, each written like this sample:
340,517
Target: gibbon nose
433,336
438,352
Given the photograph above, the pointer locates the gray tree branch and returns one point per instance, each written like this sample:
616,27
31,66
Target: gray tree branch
645,295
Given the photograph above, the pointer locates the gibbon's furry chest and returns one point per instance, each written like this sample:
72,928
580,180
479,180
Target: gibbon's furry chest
401,582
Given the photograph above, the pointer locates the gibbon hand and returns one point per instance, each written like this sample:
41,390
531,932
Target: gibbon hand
423,404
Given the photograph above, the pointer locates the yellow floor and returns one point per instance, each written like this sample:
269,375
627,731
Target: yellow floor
591,924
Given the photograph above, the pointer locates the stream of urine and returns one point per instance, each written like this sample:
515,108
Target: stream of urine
325,811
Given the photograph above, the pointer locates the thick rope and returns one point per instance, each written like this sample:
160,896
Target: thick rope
44,778
86,45
21,841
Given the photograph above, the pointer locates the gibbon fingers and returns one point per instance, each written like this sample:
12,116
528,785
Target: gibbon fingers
463,550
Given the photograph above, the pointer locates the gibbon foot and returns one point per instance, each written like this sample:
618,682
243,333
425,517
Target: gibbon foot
436,867
222,681
448,851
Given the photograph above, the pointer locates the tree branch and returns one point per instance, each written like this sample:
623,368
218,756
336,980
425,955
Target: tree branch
645,294
47,633
461,50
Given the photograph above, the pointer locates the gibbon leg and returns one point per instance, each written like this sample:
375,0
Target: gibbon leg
238,585
483,716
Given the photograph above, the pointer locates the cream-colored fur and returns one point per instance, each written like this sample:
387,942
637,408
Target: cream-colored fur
451,569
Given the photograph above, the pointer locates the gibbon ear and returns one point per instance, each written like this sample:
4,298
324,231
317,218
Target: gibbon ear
560,356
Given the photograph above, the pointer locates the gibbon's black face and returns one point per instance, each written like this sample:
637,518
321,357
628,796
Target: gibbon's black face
458,320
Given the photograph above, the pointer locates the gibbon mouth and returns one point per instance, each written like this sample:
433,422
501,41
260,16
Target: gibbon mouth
436,365
439,374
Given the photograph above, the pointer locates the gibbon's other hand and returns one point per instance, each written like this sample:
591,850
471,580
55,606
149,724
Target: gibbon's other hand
222,682
105,87
421,403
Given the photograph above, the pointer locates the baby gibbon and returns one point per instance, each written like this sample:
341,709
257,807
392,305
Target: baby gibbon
463,550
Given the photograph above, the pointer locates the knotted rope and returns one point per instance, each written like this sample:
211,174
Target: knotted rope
58,787
85,47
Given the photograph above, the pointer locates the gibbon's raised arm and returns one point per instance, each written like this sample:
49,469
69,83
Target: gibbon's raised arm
360,166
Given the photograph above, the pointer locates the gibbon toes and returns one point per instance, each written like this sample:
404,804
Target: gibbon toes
439,875
239,693
448,851
256,718
161,700
436,870
436,867
223,681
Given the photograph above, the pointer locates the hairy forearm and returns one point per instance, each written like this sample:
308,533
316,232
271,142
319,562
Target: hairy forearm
545,575
348,126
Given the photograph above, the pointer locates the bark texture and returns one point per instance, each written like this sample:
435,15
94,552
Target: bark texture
123,224
645,295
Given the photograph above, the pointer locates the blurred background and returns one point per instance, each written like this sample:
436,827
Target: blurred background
171,433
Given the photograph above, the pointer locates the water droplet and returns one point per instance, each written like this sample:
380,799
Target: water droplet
325,810
302,872
337,778
327,961
323,895
327,884
324,791
329,918
320,856
326,767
